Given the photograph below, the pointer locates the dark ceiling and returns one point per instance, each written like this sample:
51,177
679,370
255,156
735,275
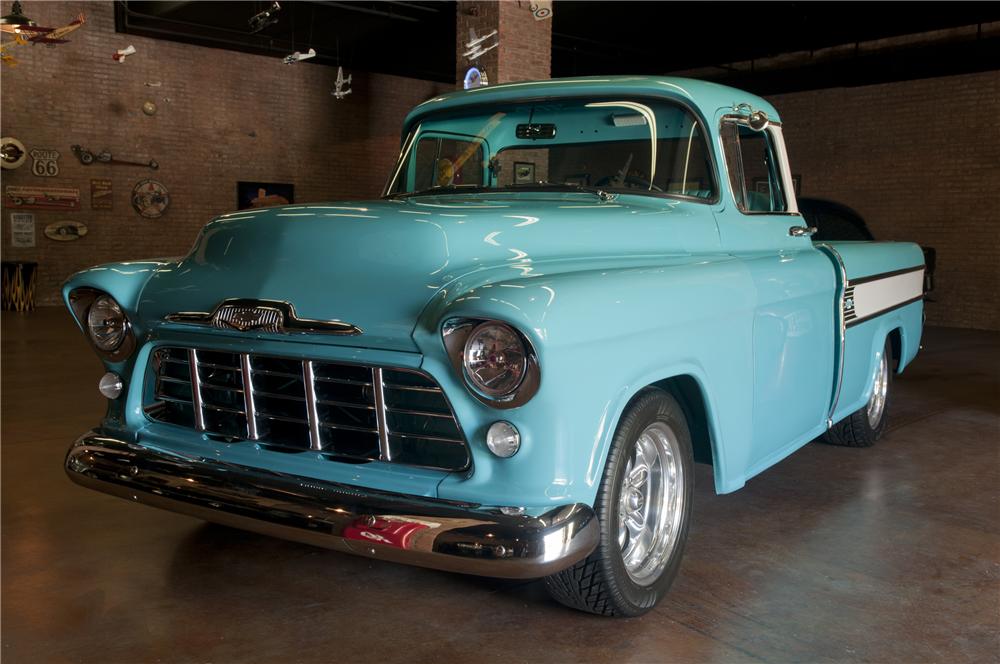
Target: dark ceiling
418,38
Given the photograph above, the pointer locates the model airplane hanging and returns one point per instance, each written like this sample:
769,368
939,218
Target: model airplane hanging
476,47
297,56
339,92
36,34
267,17
123,53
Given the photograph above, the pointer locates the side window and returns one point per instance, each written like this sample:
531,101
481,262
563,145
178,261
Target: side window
753,168
444,162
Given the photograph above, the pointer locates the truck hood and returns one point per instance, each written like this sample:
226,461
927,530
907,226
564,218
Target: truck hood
376,264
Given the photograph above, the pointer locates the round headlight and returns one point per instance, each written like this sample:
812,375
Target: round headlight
106,323
495,359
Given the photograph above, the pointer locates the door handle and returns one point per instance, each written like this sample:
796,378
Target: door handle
800,231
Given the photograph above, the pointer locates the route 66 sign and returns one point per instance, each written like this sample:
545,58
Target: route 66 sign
45,163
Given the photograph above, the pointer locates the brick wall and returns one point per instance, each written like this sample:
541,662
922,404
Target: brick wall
525,45
920,161
230,117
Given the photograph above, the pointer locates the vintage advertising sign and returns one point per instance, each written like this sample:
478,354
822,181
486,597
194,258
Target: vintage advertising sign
43,198
45,163
100,194
65,231
22,229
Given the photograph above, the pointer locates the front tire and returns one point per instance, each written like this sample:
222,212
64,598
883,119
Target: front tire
644,507
867,424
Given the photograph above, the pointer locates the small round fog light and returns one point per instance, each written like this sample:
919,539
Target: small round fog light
503,439
110,385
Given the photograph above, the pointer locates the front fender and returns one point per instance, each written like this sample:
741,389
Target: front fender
124,282
601,335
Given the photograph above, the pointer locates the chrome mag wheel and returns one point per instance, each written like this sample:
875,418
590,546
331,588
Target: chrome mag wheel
651,503
876,404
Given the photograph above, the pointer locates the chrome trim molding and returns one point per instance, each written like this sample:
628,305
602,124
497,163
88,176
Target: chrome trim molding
839,313
271,316
451,536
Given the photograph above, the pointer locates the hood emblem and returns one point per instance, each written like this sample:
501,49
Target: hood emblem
245,318
270,316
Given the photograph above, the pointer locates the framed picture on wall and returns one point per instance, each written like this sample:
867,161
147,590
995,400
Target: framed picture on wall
263,194
524,172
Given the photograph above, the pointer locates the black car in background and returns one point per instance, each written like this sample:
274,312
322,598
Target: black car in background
835,221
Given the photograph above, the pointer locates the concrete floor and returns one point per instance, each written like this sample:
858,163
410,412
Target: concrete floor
885,554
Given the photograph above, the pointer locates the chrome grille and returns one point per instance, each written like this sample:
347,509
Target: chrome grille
342,411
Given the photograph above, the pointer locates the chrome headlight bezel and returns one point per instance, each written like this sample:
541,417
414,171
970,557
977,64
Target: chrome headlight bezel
456,334
81,302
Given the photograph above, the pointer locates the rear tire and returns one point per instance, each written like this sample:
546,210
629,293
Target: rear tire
644,507
867,424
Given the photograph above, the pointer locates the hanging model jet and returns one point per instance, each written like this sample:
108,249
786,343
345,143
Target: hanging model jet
339,92
475,46
297,56
51,36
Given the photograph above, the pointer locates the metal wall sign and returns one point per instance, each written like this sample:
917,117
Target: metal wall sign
65,231
42,198
22,229
100,194
150,198
45,163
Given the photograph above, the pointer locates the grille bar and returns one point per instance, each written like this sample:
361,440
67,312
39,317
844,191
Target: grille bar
309,380
248,404
199,412
385,452
340,411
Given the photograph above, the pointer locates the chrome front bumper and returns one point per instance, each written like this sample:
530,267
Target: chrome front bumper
446,535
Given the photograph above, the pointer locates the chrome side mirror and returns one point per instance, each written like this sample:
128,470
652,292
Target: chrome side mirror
758,121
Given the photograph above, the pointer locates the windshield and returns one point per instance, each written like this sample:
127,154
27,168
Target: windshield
617,146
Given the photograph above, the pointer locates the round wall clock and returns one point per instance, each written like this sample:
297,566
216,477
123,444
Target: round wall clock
150,198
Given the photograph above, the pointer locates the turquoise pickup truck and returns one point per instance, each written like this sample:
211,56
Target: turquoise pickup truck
569,293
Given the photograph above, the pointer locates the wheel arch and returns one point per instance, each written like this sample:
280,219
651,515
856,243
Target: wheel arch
690,388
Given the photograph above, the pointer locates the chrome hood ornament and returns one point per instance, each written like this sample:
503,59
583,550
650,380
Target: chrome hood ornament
271,316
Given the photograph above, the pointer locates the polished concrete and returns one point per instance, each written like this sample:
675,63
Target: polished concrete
887,554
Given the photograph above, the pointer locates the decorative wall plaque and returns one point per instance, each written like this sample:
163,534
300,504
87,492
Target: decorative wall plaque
65,231
100,194
45,163
43,198
150,198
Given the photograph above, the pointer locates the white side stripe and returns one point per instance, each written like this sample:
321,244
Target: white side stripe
873,297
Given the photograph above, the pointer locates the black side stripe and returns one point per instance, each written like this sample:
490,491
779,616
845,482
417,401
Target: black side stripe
855,321
884,275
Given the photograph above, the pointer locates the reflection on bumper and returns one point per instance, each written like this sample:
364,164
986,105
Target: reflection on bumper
441,534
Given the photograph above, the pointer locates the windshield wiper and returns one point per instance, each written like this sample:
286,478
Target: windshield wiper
605,196
438,189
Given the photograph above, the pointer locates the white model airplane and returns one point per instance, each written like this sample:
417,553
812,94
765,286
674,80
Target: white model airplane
339,92
297,56
475,46
123,53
